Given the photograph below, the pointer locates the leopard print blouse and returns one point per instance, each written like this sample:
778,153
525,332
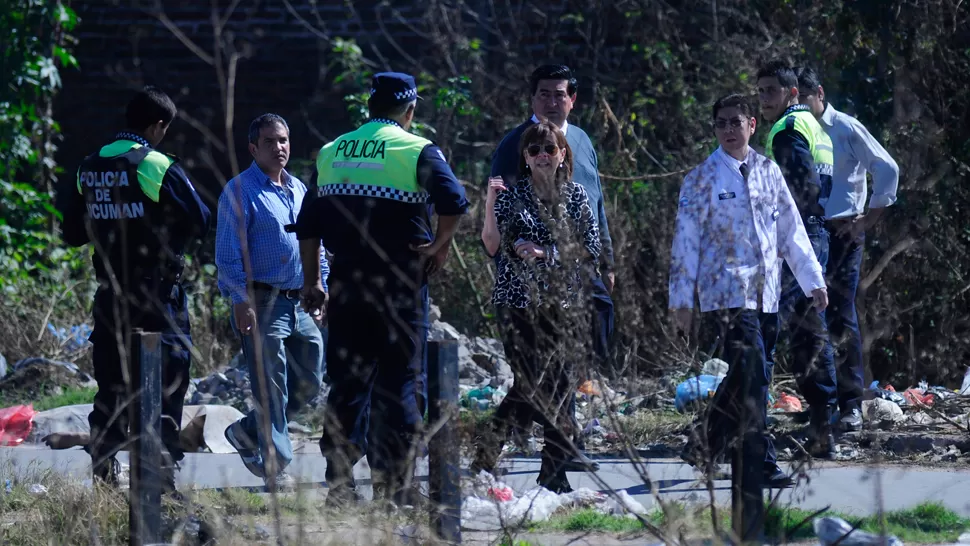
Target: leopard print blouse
520,215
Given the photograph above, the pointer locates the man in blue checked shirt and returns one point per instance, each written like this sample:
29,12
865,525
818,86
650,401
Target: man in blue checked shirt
260,270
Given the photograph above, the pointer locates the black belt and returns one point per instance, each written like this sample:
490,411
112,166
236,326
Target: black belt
292,293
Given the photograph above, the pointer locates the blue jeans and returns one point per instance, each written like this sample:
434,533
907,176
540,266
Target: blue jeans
845,263
749,338
813,361
290,370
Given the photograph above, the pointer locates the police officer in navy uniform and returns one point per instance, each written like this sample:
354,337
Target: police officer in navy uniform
378,187
138,209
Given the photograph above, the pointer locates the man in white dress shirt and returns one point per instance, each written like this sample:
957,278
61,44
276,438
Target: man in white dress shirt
735,221
855,152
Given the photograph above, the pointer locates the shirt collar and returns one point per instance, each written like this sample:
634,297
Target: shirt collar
258,174
125,135
828,116
384,121
564,128
731,161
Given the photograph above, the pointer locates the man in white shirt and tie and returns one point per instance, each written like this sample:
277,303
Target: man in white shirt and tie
855,152
736,219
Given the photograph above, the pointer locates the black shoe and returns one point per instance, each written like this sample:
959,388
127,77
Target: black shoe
553,477
820,443
580,463
775,478
557,484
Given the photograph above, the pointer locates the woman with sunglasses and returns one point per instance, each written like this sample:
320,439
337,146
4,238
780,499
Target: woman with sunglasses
547,241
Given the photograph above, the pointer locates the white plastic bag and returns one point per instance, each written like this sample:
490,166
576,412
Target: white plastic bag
831,530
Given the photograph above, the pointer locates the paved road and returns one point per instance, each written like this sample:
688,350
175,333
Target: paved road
851,489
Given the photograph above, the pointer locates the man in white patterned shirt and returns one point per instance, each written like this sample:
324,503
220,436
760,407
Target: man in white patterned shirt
855,152
735,221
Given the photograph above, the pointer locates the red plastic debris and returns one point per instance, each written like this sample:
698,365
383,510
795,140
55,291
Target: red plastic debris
502,494
788,403
916,397
15,424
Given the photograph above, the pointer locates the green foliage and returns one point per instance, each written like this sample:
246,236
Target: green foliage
37,273
36,48
647,77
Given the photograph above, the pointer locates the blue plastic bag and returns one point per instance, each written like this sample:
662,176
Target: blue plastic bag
696,388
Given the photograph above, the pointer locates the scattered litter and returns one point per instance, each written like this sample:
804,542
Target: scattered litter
589,388
15,424
37,360
37,489
695,389
788,403
407,534
8,486
73,340
843,453
715,367
883,413
832,531
501,494
482,511
888,393
918,397
922,419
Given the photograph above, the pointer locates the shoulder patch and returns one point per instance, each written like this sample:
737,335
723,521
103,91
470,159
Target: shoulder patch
442,155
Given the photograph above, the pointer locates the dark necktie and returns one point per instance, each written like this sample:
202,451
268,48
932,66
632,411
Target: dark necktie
744,170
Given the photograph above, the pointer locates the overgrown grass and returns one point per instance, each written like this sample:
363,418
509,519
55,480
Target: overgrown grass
588,519
67,397
928,522
646,427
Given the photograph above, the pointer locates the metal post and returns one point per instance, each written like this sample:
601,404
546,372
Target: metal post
747,471
145,451
444,456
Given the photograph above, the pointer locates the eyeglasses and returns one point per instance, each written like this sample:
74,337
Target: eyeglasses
735,123
550,149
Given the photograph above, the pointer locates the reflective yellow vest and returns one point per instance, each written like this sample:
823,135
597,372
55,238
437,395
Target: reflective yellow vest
151,165
380,159
819,142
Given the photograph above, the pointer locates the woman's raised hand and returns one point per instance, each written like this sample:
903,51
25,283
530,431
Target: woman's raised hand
496,184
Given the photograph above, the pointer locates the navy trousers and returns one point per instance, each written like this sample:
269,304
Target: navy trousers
163,312
740,403
376,356
813,360
845,264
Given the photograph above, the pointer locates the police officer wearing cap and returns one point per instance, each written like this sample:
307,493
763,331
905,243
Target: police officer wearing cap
378,187
136,206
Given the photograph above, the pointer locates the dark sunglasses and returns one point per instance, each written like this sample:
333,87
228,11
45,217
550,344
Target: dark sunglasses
735,123
550,149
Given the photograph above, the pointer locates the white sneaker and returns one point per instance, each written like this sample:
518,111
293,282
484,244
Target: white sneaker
284,482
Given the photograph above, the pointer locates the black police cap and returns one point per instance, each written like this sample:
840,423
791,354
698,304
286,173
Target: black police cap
390,89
